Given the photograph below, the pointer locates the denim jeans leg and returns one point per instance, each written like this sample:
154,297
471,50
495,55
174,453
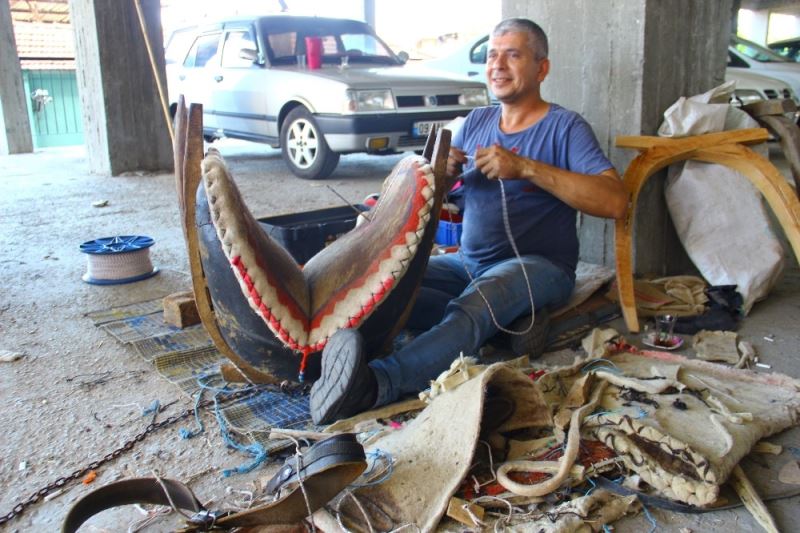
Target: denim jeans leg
444,279
468,323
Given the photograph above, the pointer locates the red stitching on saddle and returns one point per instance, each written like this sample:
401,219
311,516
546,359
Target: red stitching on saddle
411,225
266,313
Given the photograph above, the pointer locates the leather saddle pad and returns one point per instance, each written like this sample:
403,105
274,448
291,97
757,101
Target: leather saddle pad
342,286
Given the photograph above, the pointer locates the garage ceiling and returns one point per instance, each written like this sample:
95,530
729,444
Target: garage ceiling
40,11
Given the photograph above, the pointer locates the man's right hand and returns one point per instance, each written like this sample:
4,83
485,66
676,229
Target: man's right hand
455,162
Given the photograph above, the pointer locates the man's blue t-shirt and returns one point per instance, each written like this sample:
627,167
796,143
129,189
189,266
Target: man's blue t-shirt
540,223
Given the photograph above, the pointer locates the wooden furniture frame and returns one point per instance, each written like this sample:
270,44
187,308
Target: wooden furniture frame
725,148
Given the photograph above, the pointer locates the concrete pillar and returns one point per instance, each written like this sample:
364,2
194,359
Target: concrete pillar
15,133
621,64
124,125
369,12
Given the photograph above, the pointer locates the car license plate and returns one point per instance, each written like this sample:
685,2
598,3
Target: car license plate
421,129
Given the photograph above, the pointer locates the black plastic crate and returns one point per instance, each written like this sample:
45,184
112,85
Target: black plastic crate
304,234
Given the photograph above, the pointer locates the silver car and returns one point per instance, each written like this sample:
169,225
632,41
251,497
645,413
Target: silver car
316,87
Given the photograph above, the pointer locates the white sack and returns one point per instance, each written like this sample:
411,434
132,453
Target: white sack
718,214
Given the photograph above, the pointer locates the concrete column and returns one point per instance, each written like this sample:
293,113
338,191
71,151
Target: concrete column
15,134
621,64
369,12
124,125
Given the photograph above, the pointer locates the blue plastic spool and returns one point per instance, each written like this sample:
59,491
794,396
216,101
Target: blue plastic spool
113,251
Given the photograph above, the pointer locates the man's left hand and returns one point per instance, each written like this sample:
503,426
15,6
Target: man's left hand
495,162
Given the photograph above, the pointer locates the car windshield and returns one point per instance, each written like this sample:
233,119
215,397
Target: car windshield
759,53
287,38
788,49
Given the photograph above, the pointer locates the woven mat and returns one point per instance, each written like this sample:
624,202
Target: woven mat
127,311
188,359
138,328
163,343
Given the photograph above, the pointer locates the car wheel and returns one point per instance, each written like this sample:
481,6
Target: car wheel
304,148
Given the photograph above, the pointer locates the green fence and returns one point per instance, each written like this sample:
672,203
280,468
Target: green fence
54,108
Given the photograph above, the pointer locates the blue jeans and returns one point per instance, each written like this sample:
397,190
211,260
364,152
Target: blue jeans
457,319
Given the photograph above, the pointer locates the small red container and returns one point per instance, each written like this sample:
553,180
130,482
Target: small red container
314,52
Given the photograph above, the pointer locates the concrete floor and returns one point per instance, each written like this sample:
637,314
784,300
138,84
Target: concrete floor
77,394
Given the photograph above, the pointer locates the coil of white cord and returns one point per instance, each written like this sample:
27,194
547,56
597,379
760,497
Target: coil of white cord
119,259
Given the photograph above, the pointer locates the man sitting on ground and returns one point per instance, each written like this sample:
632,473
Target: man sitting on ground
529,165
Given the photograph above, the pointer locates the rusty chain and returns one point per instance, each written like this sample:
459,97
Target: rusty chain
61,482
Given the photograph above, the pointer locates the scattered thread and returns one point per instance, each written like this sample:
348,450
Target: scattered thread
593,486
600,364
192,433
650,519
376,456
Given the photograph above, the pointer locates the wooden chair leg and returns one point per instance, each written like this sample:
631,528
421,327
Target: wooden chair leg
725,148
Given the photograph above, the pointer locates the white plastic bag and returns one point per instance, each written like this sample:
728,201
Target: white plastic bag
718,214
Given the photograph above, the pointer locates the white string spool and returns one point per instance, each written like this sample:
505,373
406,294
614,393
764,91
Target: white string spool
119,259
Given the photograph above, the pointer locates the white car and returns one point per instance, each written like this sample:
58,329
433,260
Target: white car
470,60
317,87
750,57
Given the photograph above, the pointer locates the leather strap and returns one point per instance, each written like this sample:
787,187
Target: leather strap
326,469
329,451
129,491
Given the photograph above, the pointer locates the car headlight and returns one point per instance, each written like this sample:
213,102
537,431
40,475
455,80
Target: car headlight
473,97
746,96
369,100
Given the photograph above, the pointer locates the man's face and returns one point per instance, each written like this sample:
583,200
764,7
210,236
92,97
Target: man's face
511,67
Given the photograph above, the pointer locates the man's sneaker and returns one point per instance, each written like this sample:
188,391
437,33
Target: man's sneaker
531,343
347,385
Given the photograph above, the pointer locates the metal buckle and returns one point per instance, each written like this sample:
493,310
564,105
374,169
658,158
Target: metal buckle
206,520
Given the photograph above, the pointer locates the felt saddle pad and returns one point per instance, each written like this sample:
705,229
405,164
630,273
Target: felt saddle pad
343,285
432,454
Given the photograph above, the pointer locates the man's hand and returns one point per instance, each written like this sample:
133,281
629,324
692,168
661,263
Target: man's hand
495,162
455,162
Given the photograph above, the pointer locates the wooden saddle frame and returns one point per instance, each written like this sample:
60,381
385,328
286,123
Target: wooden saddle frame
188,154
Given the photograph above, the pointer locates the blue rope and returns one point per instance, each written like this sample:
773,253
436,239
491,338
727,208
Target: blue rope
375,455
153,409
255,450
650,519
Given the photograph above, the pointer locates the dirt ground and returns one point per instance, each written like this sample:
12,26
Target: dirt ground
77,394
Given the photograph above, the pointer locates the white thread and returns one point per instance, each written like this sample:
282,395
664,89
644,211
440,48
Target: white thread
118,266
169,496
298,465
507,226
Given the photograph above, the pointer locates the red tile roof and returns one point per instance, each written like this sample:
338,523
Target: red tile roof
45,45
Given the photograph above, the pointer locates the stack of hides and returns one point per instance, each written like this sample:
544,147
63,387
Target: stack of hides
681,425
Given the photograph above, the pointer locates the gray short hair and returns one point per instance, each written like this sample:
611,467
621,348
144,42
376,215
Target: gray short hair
537,39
